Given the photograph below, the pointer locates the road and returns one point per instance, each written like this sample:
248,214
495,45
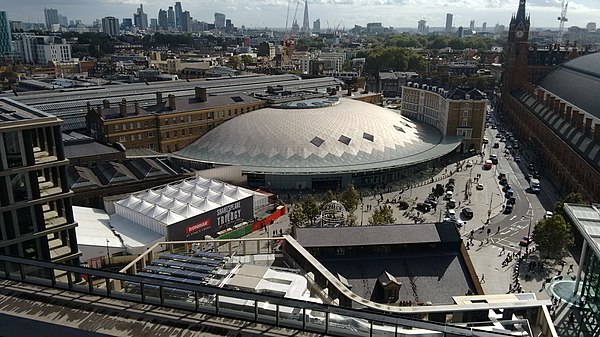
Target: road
506,230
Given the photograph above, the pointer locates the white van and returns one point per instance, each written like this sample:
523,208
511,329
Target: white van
448,195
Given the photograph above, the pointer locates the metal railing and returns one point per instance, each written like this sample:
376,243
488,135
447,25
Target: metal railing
271,310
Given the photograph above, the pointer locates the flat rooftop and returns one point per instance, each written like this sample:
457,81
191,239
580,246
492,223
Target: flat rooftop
13,111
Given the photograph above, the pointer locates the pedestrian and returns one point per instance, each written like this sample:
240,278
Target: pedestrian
570,268
482,278
498,231
280,232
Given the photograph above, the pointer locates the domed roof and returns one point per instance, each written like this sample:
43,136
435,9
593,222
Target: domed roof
320,136
578,82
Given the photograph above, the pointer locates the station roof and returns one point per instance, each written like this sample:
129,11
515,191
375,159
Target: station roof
587,219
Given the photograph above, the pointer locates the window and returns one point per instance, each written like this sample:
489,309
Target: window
132,137
190,118
124,127
210,115
18,183
25,220
166,121
175,134
139,136
182,132
117,127
181,119
191,131
168,135
139,125
174,120
150,134
12,147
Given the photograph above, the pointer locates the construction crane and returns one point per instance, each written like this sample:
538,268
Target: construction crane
562,18
284,44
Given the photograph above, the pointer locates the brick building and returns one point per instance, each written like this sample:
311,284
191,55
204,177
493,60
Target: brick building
460,111
555,113
168,125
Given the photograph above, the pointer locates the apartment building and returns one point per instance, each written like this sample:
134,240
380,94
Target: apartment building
168,125
37,217
460,111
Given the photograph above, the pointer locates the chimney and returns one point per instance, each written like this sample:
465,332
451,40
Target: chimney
547,100
99,110
136,107
89,106
597,132
561,109
556,106
158,97
123,108
540,94
171,99
588,126
106,104
579,120
201,94
569,113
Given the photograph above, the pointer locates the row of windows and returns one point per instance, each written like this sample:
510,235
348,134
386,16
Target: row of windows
152,134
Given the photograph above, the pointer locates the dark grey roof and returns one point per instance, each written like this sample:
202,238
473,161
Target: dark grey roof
77,145
367,235
584,145
110,173
578,82
13,111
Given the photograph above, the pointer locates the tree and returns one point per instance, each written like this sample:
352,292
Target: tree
553,235
246,59
297,217
350,199
310,208
234,62
327,198
382,215
572,198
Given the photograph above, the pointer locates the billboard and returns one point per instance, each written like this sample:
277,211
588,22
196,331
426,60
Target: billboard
213,221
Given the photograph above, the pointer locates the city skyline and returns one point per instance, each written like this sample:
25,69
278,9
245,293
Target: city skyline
333,13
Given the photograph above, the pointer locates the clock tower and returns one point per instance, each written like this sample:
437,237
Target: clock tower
515,71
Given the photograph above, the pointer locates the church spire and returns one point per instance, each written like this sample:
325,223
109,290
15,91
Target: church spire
521,11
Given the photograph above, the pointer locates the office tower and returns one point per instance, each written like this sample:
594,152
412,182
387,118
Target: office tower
219,20
51,16
126,24
5,36
178,12
154,24
306,21
472,25
171,18
449,17
62,20
110,26
162,20
591,26
460,32
422,27
37,217
140,18
317,26
186,22
484,27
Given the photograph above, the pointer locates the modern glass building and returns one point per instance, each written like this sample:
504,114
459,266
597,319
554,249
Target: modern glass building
5,35
586,219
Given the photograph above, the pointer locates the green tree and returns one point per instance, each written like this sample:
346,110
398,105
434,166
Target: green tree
234,62
350,199
310,208
297,217
246,59
572,198
382,215
327,198
553,236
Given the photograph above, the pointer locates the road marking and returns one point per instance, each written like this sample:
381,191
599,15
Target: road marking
513,217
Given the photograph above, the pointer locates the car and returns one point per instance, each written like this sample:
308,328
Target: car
501,175
531,167
511,200
498,135
508,147
488,165
423,207
506,188
479,186
548,214
451,181
536,175
509,193
450,213
469,163
485,140
451,204
496,145
517,159
503,139
450,188
493,127
431,202
528,176
516,146
526,241
454,221
467,213
508,209
503,181
448,195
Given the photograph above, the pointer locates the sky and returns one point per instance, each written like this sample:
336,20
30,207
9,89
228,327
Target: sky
332,13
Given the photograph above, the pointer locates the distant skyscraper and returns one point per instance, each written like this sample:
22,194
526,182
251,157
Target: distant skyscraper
140,18
162,20
460,32
171,18
178,12
186,22
317,26
484,27
219,20
126,24
449,17
422,27
472,25
51,16
110,26
591,26
5,36
306,22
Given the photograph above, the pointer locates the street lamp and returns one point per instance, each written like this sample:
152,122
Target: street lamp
361,213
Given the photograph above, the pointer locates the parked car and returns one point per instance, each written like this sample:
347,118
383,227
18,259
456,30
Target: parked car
451,213
423,207
467,213
548,214
469,163
448,195
479,186
496,145
488,165
517,159
508,209
454,221
511,200
451,203
450,188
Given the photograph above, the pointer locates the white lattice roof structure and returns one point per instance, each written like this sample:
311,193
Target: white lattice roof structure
169,204
320,136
